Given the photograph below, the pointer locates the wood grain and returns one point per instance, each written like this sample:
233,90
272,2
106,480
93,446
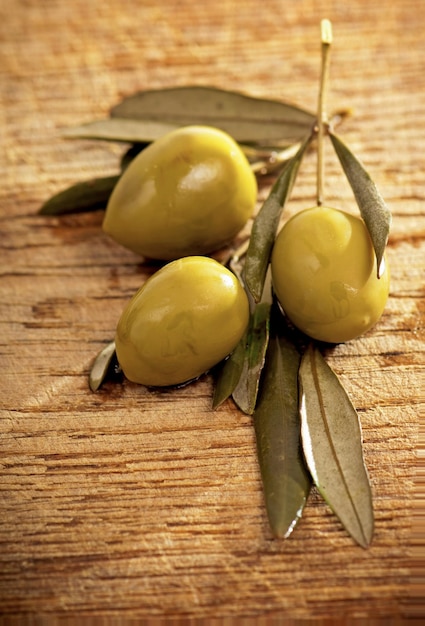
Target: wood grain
131,503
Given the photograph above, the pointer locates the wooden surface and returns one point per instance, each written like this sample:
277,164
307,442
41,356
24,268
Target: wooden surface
137,504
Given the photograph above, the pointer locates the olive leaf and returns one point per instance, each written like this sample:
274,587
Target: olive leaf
90,195
228,373
245,392
239,376
373,209
286,482
121,130
245,118
82,197
332,445
104,364
147,115
265,224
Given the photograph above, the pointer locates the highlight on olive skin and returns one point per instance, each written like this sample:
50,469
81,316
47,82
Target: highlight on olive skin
188,193
325,277
185,319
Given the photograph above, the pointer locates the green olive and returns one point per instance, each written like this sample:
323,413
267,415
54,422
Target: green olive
185,319
324,275
188,193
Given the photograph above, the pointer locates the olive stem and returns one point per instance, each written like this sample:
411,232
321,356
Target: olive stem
322,118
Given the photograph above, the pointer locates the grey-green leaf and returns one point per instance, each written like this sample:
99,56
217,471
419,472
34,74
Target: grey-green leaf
121,130
82,197
265,225
228,373
332,444
245,118
373,208
101,366
246,389
286,482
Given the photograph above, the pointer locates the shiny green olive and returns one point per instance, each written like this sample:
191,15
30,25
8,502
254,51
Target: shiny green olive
185,319
188,193
324,275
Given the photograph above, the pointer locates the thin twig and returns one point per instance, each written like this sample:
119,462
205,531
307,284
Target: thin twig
322,118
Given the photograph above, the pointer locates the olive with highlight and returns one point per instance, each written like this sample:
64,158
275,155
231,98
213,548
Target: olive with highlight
185,319
325,276
188,193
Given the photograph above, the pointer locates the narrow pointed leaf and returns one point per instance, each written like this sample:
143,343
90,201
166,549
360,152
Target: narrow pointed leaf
83,197
373,209
121,130
244,117
246,390
239,375
286,482
228,373
265,225
332,444
102,366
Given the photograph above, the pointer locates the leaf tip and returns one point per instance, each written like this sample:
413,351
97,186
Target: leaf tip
381,267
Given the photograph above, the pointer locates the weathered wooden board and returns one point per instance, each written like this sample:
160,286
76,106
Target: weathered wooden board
138,504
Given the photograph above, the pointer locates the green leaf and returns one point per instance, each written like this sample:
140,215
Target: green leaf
286,482
373,209
146,116
103,364
332,444
265,225
246,389
117,129
245,118
228,373
239,376
86,196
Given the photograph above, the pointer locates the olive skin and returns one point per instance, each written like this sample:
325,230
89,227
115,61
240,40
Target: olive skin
188,193
185,319
324,275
